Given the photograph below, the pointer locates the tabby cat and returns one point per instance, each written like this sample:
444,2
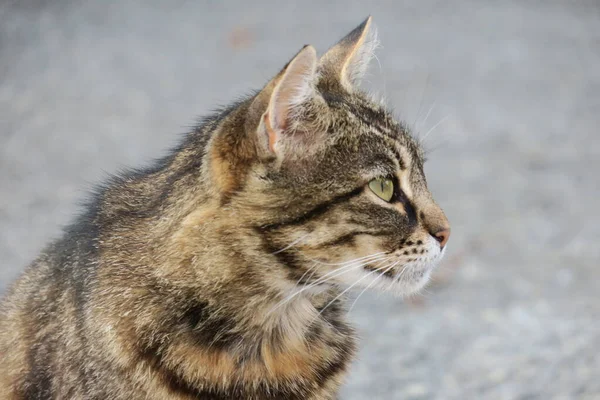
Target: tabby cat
219,272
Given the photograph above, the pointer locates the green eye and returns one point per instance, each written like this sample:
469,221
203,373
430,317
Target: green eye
382,187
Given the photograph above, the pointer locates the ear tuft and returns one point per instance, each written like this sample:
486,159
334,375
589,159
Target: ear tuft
358,62
294,88
349,59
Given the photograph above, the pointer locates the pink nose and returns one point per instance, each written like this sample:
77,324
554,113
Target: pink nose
442,236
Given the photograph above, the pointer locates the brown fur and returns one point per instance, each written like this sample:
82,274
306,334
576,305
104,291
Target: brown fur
216,273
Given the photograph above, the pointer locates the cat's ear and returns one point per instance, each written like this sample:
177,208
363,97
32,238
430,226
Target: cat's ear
349,59
289,95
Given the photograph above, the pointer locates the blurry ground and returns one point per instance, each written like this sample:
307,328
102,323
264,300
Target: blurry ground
91,87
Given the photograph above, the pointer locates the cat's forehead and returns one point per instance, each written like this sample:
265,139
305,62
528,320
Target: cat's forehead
355,116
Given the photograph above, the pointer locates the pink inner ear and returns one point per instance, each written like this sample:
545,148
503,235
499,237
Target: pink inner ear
288,96
270,131
291,92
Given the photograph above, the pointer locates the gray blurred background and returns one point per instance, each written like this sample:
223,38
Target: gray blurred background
507,93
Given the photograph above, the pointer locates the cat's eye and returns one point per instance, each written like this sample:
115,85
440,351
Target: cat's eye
383,188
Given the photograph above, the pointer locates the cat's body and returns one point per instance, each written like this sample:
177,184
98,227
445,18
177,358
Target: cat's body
215,274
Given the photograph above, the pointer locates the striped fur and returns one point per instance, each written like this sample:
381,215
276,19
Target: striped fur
219,272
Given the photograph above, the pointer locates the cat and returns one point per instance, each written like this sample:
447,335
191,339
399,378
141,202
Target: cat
220,271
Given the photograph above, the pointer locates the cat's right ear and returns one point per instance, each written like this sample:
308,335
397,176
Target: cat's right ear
347,61
284,101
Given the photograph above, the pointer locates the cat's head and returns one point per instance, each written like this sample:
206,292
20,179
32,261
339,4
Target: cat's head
331,184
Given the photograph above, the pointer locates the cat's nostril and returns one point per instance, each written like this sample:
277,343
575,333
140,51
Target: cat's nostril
442,236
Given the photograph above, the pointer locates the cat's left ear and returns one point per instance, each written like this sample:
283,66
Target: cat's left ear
348,60
282,128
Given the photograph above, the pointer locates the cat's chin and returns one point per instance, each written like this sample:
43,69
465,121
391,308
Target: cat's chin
404,281
413,277
409,280
411,283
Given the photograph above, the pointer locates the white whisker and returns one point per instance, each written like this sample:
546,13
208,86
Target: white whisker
425,293
289,246
341,270
331,274
306,272
433,128
388,267
402,273
368,286
347,262
345,269
425,87
428,112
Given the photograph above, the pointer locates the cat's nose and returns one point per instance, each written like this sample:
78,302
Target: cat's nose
435,222
442,235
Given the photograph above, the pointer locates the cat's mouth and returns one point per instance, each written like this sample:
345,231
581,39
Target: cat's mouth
404,278
403,271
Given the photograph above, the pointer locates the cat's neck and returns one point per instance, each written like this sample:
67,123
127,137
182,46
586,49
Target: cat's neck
213,296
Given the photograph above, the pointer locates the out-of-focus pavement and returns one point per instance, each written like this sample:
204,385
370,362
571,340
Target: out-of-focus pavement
89,87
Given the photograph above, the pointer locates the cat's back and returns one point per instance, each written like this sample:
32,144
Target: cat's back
41,319
25,320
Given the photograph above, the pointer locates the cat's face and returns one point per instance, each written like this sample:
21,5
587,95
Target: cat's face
340,196
358,210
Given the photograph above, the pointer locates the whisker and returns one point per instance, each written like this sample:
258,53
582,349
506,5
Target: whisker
289,246
341,270
369,285
433,127
431,148
306,272
331,274
403,272
312,274
355,283
345,269
425,87
428,112
425,293
347,262
383,76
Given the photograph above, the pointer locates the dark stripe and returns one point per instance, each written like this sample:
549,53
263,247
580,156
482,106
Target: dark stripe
315,212
288,259
381,270
331,369
208,328
154,358
348,238
410,212
344,350
38,379
374,118
401,162
409,207
285,257
366,113
153,355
